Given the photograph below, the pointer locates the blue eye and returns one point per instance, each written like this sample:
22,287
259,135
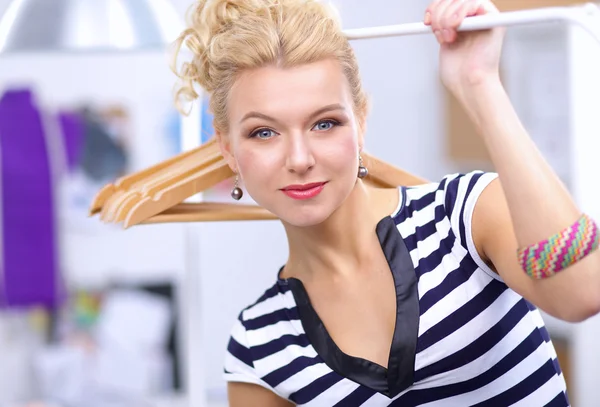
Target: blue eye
263,133
325,125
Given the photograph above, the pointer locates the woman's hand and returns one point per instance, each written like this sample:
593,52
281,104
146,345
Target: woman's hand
467,58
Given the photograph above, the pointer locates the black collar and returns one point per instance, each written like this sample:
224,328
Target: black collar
400,372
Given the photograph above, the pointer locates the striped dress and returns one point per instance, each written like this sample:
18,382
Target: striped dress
462,337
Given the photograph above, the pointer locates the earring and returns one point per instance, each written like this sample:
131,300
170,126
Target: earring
362,170
236,192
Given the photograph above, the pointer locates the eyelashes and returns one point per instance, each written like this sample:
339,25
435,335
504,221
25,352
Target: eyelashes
265,133
262,132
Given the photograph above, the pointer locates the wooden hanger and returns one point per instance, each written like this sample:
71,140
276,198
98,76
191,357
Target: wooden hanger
157,194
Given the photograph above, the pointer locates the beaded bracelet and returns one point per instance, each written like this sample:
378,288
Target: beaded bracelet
546,258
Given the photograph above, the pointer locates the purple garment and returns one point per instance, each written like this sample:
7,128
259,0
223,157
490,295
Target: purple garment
29,248
73,128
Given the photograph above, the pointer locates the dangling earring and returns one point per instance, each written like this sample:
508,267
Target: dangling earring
236,192
362,170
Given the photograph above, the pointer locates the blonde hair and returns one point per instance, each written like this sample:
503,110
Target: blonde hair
227,37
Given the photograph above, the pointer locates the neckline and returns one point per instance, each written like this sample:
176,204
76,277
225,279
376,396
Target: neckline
399,374
401,201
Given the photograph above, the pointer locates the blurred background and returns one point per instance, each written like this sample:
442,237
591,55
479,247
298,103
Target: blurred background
94,316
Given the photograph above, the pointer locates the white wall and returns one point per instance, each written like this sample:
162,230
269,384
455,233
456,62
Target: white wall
401,76
584,54
237,261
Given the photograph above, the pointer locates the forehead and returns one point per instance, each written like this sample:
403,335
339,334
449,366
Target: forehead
289,92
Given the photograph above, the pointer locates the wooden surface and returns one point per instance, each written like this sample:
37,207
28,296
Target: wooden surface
511,5
210,212
156,194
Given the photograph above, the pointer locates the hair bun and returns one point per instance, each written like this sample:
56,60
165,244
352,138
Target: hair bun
227,37
217,16
206,20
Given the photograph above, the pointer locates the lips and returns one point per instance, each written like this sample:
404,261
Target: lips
304,191
303,187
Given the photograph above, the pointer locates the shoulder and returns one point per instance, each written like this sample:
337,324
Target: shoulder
240,357
446,208
452,194
462,190
260,323
260,339
262,311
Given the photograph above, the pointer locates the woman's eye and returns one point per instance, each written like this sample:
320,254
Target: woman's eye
324,125
263,133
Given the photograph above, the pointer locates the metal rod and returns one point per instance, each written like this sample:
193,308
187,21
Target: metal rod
586,15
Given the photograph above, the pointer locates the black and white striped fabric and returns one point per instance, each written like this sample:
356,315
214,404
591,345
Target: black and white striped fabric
462,337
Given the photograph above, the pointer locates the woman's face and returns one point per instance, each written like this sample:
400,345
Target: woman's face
294,139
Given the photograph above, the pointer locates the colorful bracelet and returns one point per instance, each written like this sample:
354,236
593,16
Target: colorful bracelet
546,258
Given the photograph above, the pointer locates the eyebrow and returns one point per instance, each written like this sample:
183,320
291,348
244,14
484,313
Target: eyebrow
328,108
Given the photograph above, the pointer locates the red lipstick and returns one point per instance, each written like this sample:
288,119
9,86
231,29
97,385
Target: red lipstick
305,191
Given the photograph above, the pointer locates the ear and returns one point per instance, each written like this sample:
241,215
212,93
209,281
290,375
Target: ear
361,118
226,150
361,135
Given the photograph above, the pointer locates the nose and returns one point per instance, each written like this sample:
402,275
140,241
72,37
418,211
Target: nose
299,159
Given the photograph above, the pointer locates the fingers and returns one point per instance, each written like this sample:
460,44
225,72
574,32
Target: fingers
445,16
455,15
449,19
433,14
428,12
440,19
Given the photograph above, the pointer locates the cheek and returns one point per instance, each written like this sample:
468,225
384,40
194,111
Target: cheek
341,152
255,163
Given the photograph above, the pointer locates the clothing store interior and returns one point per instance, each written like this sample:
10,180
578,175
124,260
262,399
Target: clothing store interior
95,314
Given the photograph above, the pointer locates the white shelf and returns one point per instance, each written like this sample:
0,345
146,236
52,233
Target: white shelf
182,402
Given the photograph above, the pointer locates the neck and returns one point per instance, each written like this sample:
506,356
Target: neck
346,241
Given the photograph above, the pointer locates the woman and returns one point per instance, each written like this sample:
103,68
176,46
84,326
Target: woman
409,296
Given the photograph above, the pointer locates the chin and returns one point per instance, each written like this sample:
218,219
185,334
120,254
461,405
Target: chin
303,222
302,217
301,213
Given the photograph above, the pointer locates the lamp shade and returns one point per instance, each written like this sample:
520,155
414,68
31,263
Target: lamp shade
88,25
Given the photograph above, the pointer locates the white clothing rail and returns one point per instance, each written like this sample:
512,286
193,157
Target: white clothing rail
586,15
